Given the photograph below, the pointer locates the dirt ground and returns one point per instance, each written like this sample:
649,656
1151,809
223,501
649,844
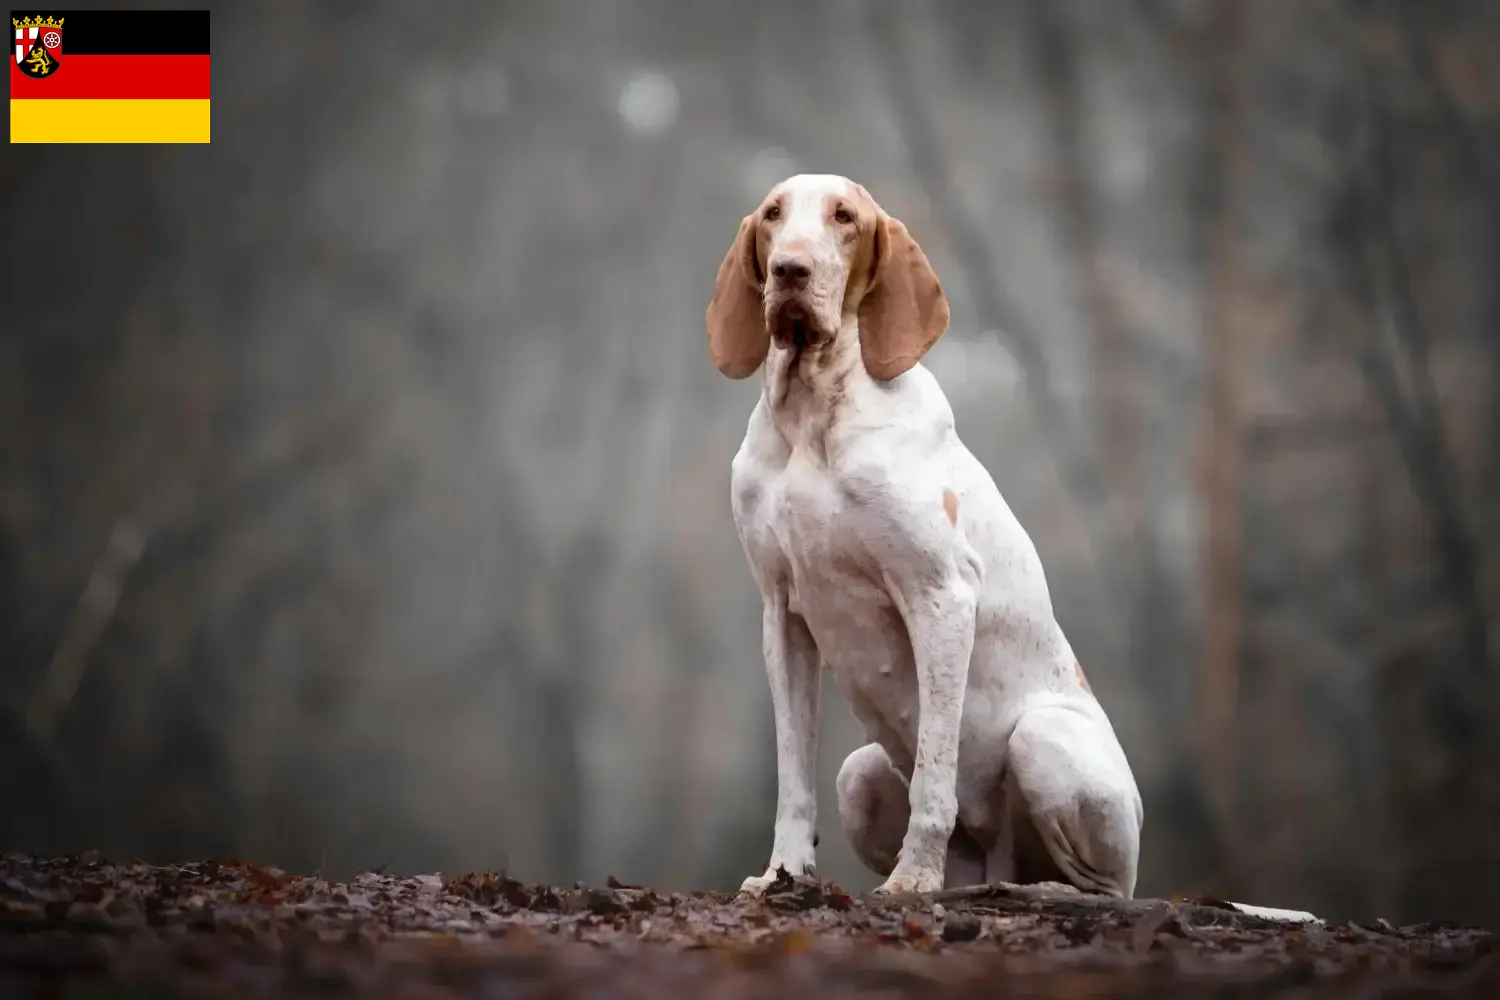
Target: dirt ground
82,926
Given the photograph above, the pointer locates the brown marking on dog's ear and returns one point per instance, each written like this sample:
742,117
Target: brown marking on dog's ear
738,340
1078,667
950,504
905,310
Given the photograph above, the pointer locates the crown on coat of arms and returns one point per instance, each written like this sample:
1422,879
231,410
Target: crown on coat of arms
39,22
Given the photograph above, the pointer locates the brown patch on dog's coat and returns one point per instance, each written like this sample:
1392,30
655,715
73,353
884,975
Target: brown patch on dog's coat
1082,679
950,504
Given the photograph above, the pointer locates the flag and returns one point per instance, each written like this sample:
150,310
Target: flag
109,76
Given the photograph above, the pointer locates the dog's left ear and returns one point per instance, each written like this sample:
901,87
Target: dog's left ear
904,311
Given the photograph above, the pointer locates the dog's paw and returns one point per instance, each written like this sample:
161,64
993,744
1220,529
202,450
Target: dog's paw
756,885
910,881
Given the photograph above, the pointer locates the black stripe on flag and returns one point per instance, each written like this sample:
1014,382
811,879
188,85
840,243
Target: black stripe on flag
128,32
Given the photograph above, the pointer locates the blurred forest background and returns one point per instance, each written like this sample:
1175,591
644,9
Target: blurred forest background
364,479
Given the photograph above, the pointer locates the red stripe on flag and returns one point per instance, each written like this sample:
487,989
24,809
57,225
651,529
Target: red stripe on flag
120,77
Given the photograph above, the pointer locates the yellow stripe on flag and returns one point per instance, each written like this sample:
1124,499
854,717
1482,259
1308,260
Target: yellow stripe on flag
109,121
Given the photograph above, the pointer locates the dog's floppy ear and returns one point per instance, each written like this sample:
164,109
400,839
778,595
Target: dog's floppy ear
904,311
738,339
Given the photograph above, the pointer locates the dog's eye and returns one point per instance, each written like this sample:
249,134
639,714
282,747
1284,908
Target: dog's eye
843,217
773,213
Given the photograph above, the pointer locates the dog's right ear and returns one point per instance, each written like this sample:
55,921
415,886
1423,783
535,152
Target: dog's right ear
738,339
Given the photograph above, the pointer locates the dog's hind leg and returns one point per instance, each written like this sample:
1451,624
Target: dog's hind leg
1076,789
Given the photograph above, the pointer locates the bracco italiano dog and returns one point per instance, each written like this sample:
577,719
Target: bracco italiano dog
884,551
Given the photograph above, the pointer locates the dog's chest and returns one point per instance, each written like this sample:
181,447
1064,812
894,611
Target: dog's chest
812,535
815,536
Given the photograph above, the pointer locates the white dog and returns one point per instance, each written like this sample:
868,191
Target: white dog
884,551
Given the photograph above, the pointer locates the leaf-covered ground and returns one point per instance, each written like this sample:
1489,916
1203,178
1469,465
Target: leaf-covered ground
82,926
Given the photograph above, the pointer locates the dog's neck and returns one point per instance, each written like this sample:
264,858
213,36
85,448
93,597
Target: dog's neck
807,390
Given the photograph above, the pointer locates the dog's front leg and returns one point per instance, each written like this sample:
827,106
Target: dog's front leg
792,668
940,621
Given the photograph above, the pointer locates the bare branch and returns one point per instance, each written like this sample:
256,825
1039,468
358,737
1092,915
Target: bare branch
91,616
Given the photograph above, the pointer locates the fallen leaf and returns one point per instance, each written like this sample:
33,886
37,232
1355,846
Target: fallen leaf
796,942
961,927
601,902
1143,932
546,901
270,878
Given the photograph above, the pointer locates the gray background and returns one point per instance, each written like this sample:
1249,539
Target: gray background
363,476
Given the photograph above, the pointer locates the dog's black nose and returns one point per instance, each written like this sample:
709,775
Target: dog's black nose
791,270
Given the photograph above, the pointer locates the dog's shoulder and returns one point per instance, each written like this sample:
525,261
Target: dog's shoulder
913,401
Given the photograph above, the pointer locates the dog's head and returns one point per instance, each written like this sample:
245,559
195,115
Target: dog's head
818,253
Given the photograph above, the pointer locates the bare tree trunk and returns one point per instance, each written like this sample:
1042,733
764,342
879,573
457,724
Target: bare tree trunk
1220,451
1114,415
1405,387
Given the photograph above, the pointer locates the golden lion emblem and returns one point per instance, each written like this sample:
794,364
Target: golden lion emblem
39,61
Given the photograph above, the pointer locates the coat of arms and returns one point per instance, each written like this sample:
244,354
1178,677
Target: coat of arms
38,44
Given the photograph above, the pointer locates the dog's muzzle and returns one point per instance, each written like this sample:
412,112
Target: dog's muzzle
793,326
